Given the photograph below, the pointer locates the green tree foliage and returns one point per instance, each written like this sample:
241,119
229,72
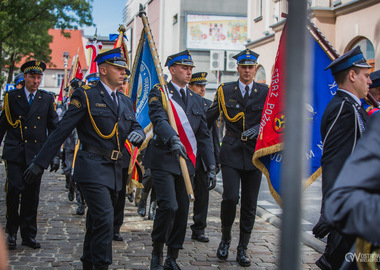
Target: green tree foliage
24,26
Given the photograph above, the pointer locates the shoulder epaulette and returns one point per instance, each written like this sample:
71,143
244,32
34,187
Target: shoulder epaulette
46,92
157,85
86,86
263,84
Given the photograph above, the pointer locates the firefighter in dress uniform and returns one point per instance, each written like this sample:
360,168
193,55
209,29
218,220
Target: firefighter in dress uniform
198,84
240,104
104,119
27,118
162,157
342,124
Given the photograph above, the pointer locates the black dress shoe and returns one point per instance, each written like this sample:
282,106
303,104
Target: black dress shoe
200,237
130,197
11,241
171,264
80,209
323,264
242,258
31,242
117,237
222,252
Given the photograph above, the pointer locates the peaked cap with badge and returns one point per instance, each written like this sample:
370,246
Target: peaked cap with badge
113,57
19,79
92,77
199,78
246,58
182,58
33,67
352,58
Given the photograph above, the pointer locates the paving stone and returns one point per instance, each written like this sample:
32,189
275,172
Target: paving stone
61,233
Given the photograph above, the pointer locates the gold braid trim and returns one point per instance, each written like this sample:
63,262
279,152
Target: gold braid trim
9,117
222,104
101,135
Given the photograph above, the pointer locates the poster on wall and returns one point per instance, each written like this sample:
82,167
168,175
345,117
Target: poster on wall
216,32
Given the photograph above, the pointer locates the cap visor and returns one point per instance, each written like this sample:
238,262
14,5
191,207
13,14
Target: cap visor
363,65
184,64
118,64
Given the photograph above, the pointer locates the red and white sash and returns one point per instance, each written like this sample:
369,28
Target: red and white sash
185,132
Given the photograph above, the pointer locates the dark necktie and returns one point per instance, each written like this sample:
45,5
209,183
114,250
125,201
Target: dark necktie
246,95
113,95
30,98
183,95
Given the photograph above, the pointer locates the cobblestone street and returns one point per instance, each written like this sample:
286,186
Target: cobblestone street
61,232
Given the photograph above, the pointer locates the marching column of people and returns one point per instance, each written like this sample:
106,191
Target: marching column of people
240,104
104,119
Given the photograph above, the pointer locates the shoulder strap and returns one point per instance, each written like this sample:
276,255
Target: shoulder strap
222,107
9,117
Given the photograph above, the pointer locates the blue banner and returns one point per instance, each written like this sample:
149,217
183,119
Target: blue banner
269,158
144,77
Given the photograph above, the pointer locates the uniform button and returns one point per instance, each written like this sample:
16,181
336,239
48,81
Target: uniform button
38,117
34,127
26,127
26,141
35,141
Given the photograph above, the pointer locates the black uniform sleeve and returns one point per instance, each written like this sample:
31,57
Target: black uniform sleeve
159,117
71,118
135,125
212,113
52,116
204,142
4,125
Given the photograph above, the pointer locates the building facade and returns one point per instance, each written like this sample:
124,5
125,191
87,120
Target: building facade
345,24
209,29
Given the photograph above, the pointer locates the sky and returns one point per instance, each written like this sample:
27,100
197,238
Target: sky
107,15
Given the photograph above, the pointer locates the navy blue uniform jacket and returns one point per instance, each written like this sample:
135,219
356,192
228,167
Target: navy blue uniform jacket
234,152
340,132
37,121
92,168
158,155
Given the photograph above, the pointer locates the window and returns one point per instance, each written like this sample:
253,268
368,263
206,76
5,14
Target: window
260,75
59,79
258,10
368,51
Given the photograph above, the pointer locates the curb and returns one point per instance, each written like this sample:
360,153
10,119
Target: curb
306,238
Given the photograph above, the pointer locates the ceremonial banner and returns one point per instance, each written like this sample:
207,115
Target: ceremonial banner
95,46
143,78
268,152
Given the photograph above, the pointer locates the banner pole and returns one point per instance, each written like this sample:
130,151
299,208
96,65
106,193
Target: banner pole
169,110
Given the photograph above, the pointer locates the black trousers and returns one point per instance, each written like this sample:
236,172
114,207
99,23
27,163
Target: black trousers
120,203
21,202
147,182
337,247
250,185
97,246
173,207
200,210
